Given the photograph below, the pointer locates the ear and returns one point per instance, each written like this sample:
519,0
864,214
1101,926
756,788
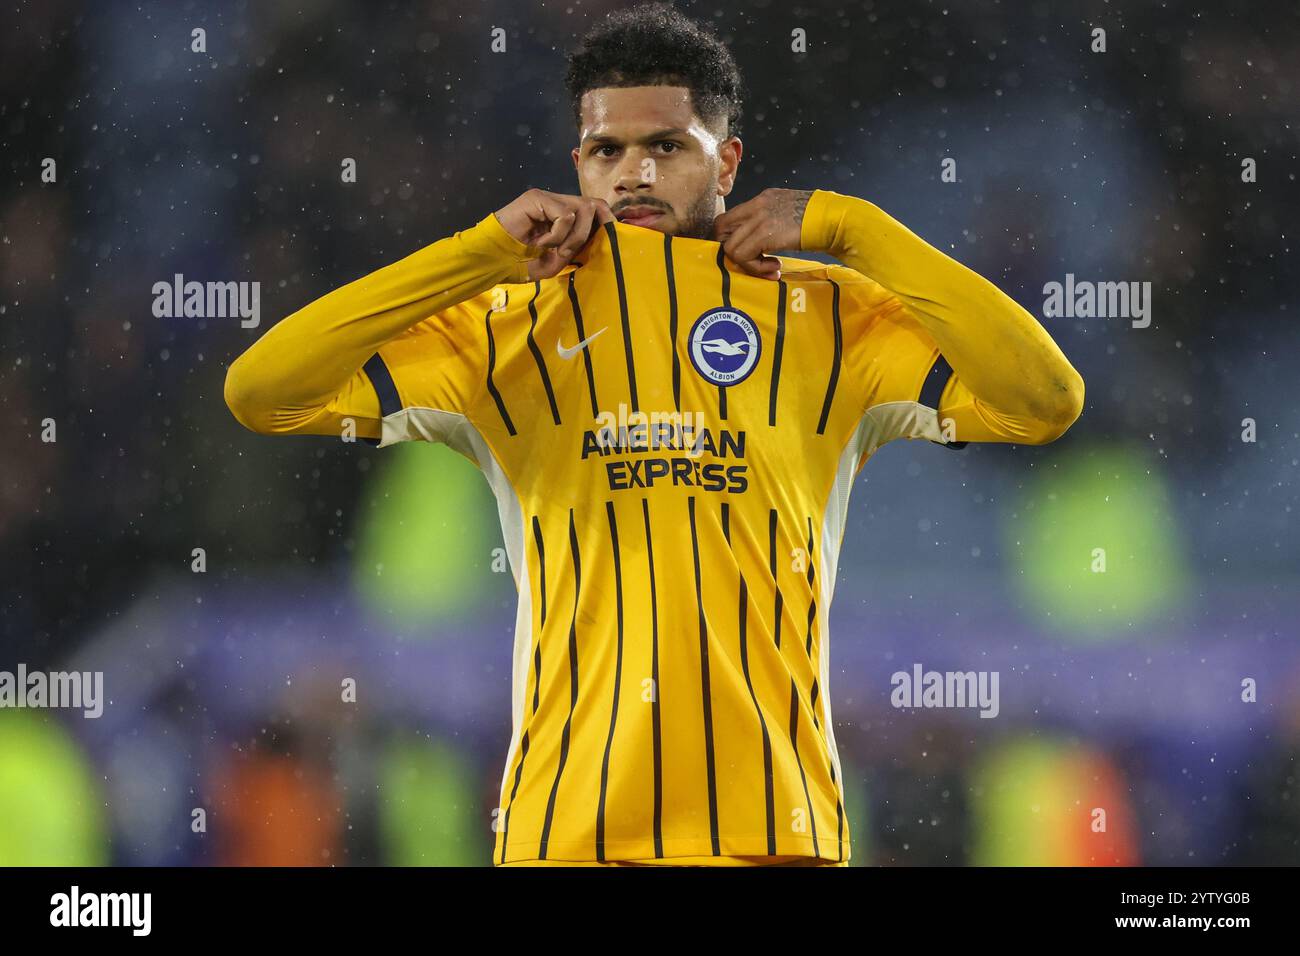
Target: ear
729,153
576,153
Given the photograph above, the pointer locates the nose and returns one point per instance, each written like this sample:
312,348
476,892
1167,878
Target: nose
632,174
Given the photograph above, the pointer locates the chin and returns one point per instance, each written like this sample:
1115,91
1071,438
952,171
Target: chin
688,230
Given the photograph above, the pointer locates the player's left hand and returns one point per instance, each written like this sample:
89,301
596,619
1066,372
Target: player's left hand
769,222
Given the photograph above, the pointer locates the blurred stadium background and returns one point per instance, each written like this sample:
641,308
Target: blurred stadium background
327,561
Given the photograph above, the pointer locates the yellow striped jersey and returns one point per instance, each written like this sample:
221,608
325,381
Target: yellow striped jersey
671,443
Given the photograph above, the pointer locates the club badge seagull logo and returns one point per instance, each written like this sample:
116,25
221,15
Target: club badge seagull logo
571,352
723,347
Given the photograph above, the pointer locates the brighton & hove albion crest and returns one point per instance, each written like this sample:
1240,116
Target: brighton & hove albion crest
724,345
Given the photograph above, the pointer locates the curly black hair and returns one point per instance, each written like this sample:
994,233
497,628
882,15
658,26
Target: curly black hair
654,44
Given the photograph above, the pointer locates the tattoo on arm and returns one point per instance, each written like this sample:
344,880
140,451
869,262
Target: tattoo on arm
794,202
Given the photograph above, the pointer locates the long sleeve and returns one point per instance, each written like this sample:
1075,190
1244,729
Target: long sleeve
304,375
1011,379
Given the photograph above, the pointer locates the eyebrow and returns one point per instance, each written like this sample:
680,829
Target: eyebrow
648,138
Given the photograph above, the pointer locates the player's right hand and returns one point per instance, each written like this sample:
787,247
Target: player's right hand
554,223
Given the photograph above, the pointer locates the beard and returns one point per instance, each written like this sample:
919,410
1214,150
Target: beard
697,221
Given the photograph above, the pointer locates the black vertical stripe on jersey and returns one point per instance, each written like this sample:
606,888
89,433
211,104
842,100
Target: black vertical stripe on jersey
830,765
704,683
514,790
771,561
839,354
812,605
672,322
382,381
492,364
573,691
618,674
812,702
794,741
936,380
794,691
726,301
812,618
586,353
744,667
782,290
654,680
537,353
541,564
537,681
622,309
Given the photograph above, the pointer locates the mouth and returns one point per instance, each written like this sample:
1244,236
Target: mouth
639,215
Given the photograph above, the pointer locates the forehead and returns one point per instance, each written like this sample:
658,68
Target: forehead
612,108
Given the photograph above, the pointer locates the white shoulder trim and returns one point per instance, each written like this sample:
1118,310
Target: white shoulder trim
427,424
889,420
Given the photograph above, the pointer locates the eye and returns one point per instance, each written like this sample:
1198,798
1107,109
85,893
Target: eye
600,150
669,146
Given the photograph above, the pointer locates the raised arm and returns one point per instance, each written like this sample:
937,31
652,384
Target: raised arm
303,375
998,351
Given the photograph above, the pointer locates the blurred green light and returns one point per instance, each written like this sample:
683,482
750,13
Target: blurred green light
425,546
51,813
1038,801
429,810
1106,508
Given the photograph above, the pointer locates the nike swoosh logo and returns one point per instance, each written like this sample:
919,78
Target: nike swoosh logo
571,352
